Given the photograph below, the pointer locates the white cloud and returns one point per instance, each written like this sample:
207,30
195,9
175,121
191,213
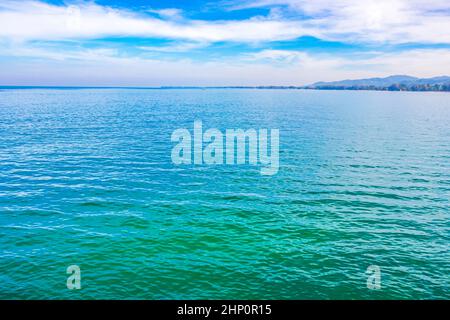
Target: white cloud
175,47
393,21
102,54
52,63
32,20
171,13
285,56
266,67
325,67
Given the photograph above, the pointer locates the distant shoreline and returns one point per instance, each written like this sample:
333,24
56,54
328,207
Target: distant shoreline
228,87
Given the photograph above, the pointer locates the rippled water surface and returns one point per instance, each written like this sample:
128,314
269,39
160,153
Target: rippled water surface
86,178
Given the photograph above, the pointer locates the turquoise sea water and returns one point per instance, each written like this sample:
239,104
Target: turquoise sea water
86,178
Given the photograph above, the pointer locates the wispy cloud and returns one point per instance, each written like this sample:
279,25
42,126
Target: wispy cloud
419,62
170,13
90,44
265,67
175,47
31,20
392,21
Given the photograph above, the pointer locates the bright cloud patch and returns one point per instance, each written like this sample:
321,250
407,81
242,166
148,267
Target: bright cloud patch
395,21
249,42
39,21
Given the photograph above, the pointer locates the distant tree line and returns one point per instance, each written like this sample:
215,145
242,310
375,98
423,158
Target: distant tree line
394,87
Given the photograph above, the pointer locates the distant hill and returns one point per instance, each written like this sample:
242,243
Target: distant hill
392,83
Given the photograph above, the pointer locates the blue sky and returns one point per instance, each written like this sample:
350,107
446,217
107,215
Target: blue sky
228,42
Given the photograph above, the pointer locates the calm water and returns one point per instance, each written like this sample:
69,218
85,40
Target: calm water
86,178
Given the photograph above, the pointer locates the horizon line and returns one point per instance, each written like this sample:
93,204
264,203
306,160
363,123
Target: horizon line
256,87
156,87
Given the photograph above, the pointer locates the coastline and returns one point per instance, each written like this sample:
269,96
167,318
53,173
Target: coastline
210,87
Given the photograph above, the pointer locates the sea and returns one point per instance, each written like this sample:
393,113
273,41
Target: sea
359,208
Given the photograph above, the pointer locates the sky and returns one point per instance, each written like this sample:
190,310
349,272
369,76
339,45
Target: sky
219,43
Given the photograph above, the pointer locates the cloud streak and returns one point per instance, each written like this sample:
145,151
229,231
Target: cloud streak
376,21
265,67
379,21
31,20
86,43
